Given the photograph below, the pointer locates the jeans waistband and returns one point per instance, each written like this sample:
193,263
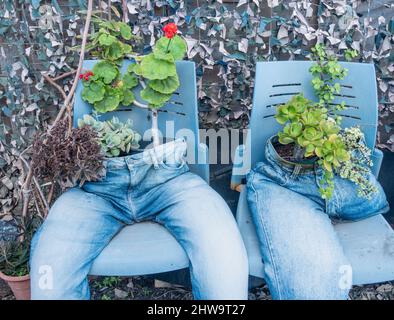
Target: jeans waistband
171,152
295,168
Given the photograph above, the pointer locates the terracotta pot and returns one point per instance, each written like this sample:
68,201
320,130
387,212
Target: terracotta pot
20,286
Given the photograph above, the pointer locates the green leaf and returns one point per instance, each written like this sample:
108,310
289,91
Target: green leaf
129,80
154,98
110,102
177,46
105,70
128,97
162,55
131,67
106,39
125,31
93,92
114,52
166,86
152,68
115,152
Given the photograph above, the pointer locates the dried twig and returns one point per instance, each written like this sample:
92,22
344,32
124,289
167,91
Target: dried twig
81,58
64,75
25,188
38,187
53,83
125,17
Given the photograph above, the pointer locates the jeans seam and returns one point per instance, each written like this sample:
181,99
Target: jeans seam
277,281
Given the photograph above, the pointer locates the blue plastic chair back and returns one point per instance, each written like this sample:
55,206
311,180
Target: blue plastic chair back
178,118
276,82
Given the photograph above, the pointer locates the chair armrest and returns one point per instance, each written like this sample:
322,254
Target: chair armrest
238,174
377,158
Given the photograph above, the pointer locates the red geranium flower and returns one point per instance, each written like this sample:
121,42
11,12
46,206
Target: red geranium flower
86,75
170,30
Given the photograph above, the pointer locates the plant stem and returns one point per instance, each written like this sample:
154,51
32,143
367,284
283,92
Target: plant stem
155,128
168,45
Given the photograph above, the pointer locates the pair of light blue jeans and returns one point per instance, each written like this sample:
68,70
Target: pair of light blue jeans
302,256
154,185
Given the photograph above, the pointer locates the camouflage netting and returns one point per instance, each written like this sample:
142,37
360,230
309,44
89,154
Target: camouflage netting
225,39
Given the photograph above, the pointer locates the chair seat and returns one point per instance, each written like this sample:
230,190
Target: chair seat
140,249
368,244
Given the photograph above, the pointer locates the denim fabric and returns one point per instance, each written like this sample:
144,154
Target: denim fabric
302,256
155,186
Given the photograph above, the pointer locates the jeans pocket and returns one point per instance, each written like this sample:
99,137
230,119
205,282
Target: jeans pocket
173,165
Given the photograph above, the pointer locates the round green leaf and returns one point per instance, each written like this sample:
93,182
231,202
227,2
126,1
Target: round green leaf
154,98
125,31
129,80
110,102
166,86
128,97
177,46
152,68
162,55
93,92
105,70
106,39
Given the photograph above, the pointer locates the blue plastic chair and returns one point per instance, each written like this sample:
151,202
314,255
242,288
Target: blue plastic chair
147,247
369,244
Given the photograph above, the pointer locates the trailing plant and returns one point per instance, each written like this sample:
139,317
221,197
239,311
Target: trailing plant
68,157
115,137
314,129
356,169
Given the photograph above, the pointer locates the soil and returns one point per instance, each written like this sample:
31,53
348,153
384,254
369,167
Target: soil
285,150
142,288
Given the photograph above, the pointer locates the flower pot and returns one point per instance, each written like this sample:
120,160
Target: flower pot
20,286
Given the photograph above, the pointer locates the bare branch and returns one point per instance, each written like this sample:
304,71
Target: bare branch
53,83
64,75
81,58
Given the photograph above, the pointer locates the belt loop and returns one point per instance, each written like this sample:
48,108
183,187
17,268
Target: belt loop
153,157
296,170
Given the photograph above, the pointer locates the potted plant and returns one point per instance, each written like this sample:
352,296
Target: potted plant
106,89
63,156
14,256
312,131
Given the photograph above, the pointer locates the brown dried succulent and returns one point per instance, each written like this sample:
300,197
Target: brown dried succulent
68,157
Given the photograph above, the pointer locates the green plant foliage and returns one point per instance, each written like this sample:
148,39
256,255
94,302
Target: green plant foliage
154,98
116,138
111,100
15,254
108,42
315,128
107,89
93,91
105,71
326,72
153,68
176,47
166,86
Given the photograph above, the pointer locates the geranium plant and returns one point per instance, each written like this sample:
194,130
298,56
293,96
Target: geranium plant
313,128
107,89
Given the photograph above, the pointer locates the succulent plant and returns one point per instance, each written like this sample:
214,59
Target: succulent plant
68,157
314,128
115,137
309,127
